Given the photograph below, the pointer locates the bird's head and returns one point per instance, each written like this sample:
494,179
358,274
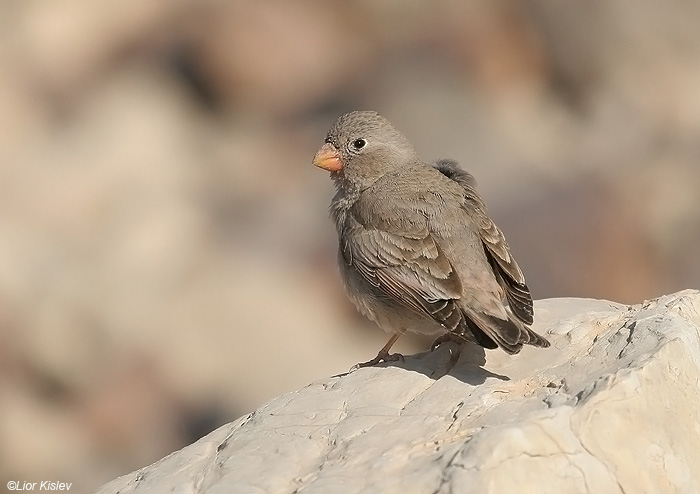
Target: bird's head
361,147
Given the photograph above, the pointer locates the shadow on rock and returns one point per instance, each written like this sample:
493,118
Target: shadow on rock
464,362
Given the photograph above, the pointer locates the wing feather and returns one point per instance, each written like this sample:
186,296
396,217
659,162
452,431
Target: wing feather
504,266
410,269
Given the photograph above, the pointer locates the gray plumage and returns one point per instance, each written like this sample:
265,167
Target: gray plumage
417,251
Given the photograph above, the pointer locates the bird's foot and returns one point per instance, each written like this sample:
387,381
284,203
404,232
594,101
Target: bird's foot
445,338
454,353
381,357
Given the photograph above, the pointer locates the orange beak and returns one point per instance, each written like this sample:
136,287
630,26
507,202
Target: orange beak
328,158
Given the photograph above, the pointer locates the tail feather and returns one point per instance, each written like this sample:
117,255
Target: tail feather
491,332
535,339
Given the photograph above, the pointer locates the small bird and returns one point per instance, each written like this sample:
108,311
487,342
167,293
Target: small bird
417,251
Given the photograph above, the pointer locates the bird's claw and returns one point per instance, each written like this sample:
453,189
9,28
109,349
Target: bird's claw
381,357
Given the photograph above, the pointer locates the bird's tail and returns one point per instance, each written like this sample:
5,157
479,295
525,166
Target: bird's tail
536,340
492,332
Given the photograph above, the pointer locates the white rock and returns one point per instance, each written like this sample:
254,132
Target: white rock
611,407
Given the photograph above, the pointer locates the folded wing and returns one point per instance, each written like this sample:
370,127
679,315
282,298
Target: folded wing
505,268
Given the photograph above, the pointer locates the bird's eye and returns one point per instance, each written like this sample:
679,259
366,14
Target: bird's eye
359,143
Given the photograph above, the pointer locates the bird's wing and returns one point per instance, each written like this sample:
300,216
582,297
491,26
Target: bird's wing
504,266
408,267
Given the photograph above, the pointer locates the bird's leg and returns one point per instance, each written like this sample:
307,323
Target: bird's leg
383,355
444,338
450,337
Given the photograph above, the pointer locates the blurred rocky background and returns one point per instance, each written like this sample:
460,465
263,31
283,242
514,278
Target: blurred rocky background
166,260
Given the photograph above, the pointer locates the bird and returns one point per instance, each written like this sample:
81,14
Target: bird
417,250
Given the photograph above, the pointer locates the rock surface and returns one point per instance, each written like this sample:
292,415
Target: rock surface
611,407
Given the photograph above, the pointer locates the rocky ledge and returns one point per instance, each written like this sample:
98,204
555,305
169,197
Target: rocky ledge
611,407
